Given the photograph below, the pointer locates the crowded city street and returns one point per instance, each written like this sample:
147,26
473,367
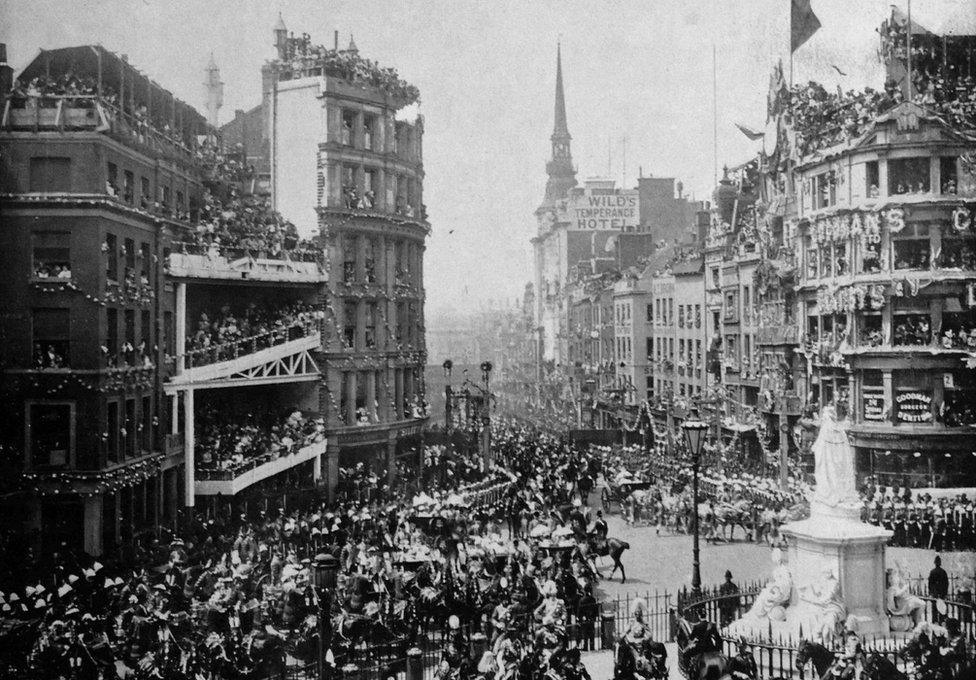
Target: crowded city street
560,340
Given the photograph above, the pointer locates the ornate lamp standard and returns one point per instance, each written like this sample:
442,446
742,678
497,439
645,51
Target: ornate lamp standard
486,414
325,573
448,365
695,433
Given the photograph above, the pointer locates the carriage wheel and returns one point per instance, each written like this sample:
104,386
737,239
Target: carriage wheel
607,500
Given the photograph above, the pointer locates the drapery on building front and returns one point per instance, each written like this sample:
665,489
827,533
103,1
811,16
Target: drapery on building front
346,164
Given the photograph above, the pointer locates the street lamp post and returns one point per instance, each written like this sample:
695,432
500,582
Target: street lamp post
448,365
486,414
325,572
695,433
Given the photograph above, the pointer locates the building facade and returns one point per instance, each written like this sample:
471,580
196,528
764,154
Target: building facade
347,165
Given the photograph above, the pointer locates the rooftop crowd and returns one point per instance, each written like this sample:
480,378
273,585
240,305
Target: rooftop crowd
304,58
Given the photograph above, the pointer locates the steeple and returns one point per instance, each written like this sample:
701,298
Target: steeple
214,89
562,175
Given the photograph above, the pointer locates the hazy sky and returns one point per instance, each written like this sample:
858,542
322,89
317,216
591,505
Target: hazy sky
635,69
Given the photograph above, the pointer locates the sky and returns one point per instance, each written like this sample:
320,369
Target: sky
638,75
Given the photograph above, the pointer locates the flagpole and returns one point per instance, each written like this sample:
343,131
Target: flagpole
908,50
714,118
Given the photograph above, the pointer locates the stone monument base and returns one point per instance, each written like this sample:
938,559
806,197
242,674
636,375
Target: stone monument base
855,553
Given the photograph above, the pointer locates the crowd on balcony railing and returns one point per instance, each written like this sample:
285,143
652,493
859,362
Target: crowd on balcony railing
227,444
912,329
225,166
52,270
303,59
228,334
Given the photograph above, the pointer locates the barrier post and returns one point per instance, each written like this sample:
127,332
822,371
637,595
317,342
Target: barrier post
415,664
607,632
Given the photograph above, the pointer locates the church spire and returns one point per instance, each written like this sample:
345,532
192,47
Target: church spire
562,175
559,127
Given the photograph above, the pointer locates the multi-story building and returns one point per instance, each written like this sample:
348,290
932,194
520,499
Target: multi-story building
97,187
887,290
346,164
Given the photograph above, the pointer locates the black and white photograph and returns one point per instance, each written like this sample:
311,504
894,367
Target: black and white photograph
470,340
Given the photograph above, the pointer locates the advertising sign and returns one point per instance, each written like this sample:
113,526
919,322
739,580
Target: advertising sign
874,407
611,211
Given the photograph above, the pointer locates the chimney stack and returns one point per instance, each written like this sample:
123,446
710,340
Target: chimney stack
6,72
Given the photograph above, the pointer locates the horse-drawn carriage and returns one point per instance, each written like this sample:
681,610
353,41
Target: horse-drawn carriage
617,492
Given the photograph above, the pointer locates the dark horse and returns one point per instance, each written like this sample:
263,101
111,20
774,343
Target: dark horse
821,657
649,662
700,649
613,547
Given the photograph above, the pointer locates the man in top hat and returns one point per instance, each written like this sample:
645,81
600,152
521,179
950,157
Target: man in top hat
729,604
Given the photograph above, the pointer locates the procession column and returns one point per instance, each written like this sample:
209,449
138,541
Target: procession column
189,462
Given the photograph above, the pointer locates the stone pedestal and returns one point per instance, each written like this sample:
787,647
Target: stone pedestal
856,554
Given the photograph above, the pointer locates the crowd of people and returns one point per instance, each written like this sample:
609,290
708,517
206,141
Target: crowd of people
304,59
487,552
229,444
245,222
227,333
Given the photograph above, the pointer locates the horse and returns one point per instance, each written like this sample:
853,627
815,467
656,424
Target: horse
700,650
649,662
614,547
821,657
879,667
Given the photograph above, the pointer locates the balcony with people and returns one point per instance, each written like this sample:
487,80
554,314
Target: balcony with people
267,340
234,450
72,90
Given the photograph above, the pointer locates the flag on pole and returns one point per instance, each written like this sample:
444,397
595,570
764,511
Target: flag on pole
803,23
749,132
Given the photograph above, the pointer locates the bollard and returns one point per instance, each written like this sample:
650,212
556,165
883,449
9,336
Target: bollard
479,643
415,664
607,633
350,672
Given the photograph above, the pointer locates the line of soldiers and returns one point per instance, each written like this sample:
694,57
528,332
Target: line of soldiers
924,522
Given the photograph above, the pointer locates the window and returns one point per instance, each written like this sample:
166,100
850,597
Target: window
51,332
129,428
112,331
349,259
823,190
949,174
145,264
911,248
650,313
129,251
111,431
50,434
715,277
145,329
369,188
670,311
129,188
911,329
112,257
369,125
370,329
650,349
870,334
681,316
49,174
351,311
369,262
813,263
51,255
731,306
959,398
145,200
147,424
908,175
698,316
348,125
872,180
112,180
913,396
958,326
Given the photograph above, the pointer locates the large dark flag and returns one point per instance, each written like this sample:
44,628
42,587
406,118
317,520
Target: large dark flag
803,23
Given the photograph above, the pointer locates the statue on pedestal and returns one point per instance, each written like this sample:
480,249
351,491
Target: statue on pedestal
905,610
834,464
772,600
824,599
